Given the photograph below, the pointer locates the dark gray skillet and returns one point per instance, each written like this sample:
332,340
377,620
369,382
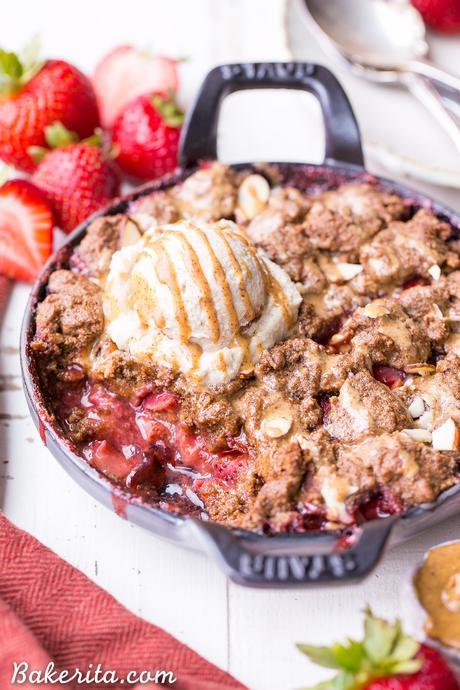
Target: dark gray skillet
249,559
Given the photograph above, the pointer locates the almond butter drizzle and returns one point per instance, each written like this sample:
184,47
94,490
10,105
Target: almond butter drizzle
243,343
221,279
242,290
280,298
166,274
272,286
207,301
221,364
142,296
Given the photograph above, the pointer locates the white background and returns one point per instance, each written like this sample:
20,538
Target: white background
250,633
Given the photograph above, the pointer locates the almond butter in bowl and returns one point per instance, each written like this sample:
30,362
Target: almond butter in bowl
431,603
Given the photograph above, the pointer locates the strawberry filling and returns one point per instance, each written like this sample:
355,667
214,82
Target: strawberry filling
379,504
325,404
415,282
143,446
391,377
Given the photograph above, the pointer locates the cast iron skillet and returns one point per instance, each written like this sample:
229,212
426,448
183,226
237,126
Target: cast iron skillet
248,558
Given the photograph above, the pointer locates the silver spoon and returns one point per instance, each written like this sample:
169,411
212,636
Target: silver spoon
384,41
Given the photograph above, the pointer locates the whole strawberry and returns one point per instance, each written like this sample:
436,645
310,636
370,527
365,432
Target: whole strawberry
33,96
441,15
146,136
385,660
125,73
77,177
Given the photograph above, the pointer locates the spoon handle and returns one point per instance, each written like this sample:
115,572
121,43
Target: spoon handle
427,69
427,94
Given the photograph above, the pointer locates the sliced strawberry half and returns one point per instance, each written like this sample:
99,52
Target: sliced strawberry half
26,226
125,73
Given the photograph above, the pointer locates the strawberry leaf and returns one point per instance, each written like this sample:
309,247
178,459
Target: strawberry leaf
407,667
351,656
169,110
322,656
37,153
57,136
96,138
15,71
405,648
30,59
379,637
30,53
10,72
10,64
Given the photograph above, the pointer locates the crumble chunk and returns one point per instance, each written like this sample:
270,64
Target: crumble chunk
342,221
404,250
365,407
208,195
67,321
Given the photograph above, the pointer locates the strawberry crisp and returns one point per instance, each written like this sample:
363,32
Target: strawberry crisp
253,354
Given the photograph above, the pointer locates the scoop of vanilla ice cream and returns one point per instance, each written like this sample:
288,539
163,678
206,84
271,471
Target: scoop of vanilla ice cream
198,298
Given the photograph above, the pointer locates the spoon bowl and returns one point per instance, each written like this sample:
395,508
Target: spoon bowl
386,36
379,34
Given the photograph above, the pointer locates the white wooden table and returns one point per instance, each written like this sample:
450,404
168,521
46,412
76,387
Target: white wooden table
249,633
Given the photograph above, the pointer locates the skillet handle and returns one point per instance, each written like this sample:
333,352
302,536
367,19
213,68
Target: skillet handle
343,141
290,563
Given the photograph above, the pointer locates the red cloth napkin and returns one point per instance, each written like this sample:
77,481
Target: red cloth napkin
50,611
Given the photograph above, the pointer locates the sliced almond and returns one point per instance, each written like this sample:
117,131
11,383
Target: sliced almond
422,435
302,441
426,420
435,271
335,491
330,269
338,271
373,311
436,309
253,195
340,338
130,234
348,271
408,383
417,407
446,437
276,427
276,423
421,368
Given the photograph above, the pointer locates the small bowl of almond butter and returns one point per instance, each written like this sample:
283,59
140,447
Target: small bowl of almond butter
431,601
